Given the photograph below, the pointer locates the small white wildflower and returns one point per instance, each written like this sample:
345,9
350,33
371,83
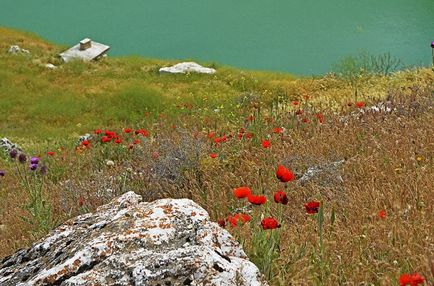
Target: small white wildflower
110,163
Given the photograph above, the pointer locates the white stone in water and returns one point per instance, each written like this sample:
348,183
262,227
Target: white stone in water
129,242
187,67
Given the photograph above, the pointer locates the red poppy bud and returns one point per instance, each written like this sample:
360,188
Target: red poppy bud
98,131
382,214
50,153
128,130
213,155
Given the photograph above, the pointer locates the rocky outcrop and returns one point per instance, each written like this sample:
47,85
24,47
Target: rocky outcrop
187,67
128,242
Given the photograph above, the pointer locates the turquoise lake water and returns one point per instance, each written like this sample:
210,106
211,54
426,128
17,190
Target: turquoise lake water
296,36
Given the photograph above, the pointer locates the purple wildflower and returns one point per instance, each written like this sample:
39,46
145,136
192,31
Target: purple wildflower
22,158
13,153
33,167
2,173
34,160
432,45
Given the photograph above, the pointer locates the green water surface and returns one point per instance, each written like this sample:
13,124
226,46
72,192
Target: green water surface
296,36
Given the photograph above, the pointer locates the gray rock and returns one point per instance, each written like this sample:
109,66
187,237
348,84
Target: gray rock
128,242
187,67
17,50
8,146
50,66
327,172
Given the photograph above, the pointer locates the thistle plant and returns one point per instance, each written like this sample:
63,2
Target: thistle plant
32,178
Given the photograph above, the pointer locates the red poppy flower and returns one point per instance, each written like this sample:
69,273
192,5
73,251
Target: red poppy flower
257,200
411,279
240,136
242,130
155,155
81,201
312,207
222,223
242,192
211,135
223,138
217,140
142,132
280,197
266,143
110,134
320,117
382,214
213,155
137,141
128,130
118,141
238,219
85,143
98,131
277,130
305,120
105,139
283,174
269,223
249,135
295,102
50,153
360,104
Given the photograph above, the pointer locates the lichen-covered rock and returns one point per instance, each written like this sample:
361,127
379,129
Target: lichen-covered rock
128,242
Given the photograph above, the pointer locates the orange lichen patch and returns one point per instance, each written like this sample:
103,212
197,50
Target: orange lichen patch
167,209
53,278
164,226
193,213
77,263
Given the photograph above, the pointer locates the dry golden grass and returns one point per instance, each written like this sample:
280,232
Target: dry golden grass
388,165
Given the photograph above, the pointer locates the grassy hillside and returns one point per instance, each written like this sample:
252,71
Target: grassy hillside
208,134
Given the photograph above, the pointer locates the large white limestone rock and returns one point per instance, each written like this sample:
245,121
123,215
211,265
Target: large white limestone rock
128,242
187,67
